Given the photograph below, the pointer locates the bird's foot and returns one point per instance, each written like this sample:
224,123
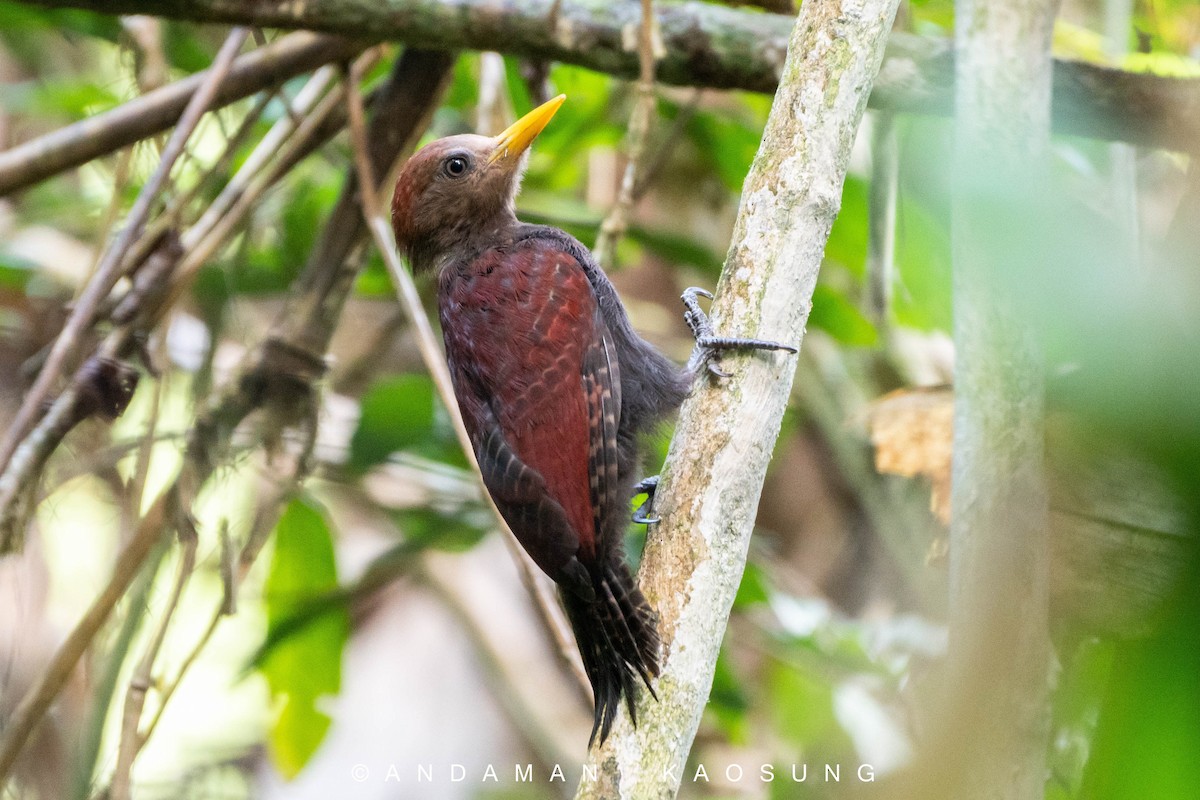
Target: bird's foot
644,513
708,345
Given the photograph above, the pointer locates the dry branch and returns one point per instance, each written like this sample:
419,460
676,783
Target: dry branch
33,706
170,270
108,272
154,112
402,112
709,492
705,45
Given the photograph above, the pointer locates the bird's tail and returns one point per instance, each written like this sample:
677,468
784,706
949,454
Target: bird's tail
618,639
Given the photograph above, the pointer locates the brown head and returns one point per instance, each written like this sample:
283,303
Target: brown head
456,191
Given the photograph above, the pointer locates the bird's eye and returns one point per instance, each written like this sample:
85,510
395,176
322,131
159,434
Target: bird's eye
455,166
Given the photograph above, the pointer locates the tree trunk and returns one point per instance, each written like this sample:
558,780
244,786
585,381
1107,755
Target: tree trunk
999,659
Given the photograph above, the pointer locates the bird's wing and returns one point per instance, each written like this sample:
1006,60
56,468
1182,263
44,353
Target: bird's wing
602,387
539,385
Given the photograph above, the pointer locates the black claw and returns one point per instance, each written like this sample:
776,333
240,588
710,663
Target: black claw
710,364
733,343
647,486
708,345
642,515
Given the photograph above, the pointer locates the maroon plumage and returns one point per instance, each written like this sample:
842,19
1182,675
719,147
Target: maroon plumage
554,386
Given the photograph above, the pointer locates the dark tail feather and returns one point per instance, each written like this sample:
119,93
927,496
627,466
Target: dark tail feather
618,639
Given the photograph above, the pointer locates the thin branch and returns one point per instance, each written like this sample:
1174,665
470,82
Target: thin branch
262,154
139,684
28,163
491,658
37,700
881,217
200,243
662,155
431,354
614,225
168,690
709,46
108,272
407,109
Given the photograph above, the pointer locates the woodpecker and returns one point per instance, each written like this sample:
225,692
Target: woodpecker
554,386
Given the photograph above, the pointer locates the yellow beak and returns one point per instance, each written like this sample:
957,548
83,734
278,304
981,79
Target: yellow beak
516,139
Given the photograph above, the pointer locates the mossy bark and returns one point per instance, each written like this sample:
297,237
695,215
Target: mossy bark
705,45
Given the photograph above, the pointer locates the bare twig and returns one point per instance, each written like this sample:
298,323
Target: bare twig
60,150
120,178
141,470
527,723
37,700
554,624
403,109
102,378
615,224
431,353
881,217
168,690
139,684
109,269
662,155
263,153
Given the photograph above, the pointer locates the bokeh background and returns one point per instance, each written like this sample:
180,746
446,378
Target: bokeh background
384,626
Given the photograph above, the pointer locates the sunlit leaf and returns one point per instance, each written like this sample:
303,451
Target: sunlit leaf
921,296
834,314
728,702
801,705
397,413
753,588
847,244
307,665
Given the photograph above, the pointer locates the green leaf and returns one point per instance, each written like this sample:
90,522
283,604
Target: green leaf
729,144
15,272
373,279
277,257
847,243
752,590
307,665
728,702
832,313
185,48
801,705
921,298
397,414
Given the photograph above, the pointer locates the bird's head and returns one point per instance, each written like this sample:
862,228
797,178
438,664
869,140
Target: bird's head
459,188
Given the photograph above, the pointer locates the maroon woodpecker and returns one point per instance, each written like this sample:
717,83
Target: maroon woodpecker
554,385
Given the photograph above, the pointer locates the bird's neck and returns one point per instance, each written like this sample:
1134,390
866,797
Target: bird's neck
461,242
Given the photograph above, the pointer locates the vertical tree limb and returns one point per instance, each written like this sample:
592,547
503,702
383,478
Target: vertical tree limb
709,492
999,656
